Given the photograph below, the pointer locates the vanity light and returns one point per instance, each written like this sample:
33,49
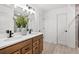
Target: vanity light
27,9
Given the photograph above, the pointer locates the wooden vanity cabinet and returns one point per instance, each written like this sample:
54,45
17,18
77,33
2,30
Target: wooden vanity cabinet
29,46
38,44
36,47
29,52
26,49
41,44
16,48
17,52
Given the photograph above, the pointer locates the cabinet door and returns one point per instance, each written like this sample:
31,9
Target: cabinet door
26,48
36,50
38,44
41,45
29,52
36,47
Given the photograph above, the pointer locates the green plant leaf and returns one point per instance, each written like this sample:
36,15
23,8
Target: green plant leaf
22,21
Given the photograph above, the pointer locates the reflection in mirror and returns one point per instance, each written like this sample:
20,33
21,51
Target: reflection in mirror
24,10
9,13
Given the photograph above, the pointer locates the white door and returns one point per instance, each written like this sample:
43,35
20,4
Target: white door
61,26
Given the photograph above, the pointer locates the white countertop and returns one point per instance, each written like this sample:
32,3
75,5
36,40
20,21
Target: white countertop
10,41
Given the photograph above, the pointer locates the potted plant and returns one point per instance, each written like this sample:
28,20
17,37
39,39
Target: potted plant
18,24
24,22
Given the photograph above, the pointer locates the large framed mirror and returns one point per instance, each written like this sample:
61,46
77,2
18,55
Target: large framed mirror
24,10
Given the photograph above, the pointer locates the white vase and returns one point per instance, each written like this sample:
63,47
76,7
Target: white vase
18,29
23,30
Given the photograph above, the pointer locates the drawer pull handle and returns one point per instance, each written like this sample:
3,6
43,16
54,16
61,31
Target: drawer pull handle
27,48
36,43
36,48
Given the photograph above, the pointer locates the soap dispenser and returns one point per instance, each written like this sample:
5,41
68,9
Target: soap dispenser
30,31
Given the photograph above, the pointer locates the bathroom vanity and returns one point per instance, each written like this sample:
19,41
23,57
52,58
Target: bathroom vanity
28,44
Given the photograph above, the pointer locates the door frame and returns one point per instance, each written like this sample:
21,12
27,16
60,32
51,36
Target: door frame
77,31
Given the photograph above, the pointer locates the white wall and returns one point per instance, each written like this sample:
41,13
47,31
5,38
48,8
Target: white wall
6,18
51,25
40,20
35,21
32,22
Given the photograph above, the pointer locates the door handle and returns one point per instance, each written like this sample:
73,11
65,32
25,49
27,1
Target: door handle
65,30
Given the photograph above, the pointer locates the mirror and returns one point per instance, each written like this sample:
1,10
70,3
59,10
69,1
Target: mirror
27,11
9,12
6,17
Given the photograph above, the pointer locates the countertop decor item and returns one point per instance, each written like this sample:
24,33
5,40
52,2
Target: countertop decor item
22,22
18,23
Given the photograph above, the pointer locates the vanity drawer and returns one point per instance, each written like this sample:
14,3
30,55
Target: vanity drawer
29,52
15,47
35,50
36,43
37,38
26,48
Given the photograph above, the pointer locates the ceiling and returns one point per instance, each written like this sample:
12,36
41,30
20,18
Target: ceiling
47,7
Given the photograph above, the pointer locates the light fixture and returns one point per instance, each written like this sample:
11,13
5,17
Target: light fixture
26,8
